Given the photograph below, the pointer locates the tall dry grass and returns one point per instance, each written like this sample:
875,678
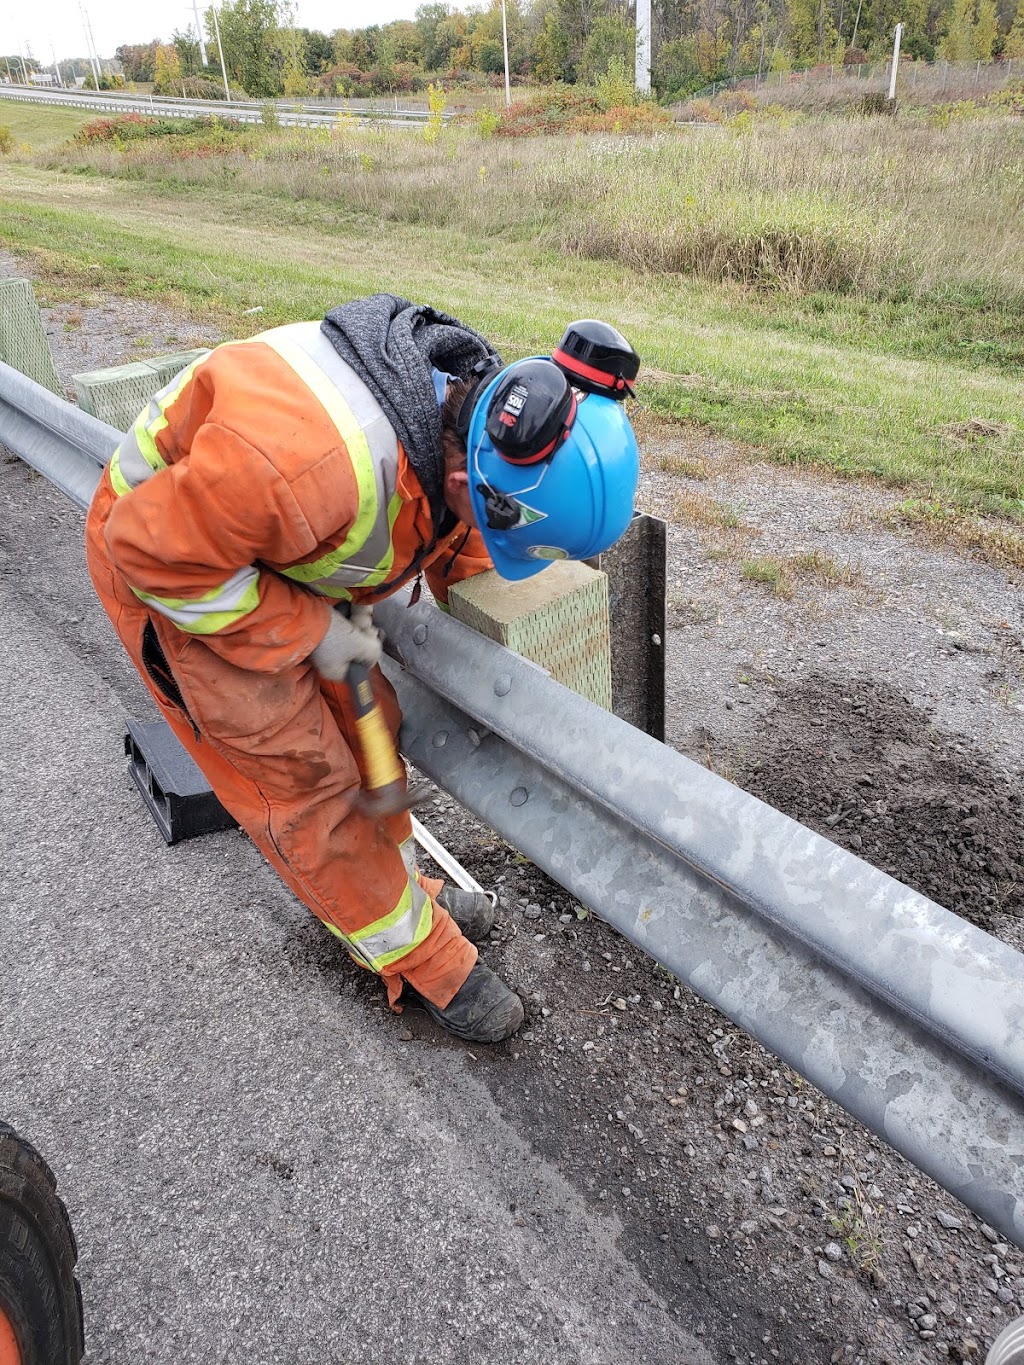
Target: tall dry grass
881,206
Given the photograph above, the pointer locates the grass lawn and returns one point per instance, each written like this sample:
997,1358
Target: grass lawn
41,125
713,353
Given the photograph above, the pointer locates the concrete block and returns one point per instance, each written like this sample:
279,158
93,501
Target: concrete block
558,619
117,395
23,341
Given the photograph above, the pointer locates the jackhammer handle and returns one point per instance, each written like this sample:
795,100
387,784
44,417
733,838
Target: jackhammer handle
383,766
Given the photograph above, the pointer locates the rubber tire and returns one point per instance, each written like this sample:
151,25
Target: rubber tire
38,1289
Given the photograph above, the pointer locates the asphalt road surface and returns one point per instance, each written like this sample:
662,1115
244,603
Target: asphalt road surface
257,1166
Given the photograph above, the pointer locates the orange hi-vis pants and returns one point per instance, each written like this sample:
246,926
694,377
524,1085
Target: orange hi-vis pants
276,749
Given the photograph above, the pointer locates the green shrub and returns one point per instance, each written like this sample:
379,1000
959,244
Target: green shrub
616,89
6,140
487,122
269,116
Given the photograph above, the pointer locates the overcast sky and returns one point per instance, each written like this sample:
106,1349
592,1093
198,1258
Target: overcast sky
126,21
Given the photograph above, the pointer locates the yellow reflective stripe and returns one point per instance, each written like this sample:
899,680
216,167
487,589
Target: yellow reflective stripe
398,933
215,610
382,570
145,442
121,484
355,443
164,401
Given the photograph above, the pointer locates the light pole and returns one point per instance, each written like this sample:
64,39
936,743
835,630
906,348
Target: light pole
89,47
504,43
199,31
220,53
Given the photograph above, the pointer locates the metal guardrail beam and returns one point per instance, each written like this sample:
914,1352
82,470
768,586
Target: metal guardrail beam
289,113
906,1015
63,443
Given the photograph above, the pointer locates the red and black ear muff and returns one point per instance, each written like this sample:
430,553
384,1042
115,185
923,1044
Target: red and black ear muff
531,411
597,359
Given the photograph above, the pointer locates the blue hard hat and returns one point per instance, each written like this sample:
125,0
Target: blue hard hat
572,498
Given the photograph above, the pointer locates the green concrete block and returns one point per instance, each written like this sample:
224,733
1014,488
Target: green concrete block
117,395
23,342
558,619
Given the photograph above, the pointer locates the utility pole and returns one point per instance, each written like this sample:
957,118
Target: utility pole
643,46
504,41
199,30
220,51
56,66
895,60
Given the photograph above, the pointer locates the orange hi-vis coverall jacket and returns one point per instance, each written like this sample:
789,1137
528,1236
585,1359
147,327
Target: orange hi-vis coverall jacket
258,488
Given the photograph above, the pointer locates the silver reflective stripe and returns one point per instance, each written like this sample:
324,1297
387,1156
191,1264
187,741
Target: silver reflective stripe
408,851
375,551
399,938
210,613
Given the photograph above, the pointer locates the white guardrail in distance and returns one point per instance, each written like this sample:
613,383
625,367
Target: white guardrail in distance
903,1013
166,106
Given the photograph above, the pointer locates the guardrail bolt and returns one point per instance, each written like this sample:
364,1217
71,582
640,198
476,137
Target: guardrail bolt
519,796
419,635
503,686
440,739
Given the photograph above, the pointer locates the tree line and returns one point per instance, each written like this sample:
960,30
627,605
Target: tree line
573,41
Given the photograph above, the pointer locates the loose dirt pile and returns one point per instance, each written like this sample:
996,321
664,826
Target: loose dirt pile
860,765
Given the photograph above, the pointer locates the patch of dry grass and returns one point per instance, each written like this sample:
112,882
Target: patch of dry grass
691,508
673,462
992,540
825,567
780,573
771,571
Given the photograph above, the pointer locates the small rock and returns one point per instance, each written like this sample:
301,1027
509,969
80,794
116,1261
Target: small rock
619,1004
748,1227
948,1220
589,1046
1004,1294
739,1125
824,1269
833,1251
532,912
926,1321
713,1231
989,1234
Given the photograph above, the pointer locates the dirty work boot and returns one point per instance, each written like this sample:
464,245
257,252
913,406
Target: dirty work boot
472,911
483,1010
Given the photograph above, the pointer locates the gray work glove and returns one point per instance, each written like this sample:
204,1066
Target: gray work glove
349,640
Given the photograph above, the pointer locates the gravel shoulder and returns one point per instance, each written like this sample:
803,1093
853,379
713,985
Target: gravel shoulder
755,1212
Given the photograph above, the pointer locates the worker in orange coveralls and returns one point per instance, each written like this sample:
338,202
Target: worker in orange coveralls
321,466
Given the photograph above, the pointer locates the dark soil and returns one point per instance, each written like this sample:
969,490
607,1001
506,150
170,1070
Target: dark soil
857,762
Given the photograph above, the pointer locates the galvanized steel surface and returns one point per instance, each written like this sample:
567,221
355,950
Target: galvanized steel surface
66,445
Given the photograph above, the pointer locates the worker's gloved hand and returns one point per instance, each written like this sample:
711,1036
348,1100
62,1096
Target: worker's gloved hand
354,640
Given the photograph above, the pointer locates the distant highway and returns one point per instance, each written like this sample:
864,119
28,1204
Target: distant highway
290,113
